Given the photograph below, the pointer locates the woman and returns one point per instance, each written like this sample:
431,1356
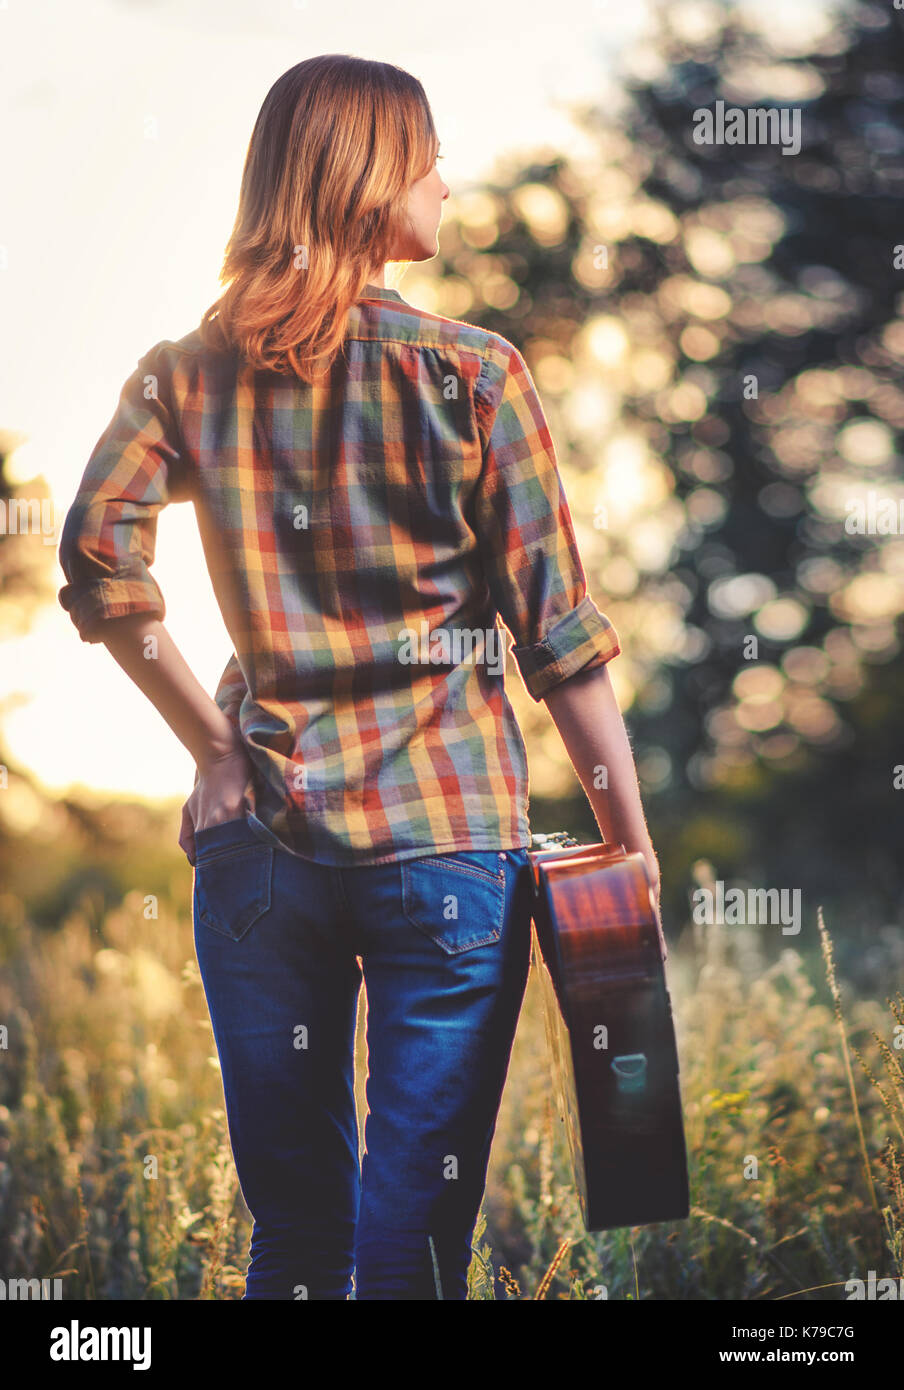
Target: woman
373,484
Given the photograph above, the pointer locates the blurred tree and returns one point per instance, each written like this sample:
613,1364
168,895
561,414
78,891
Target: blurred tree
27,562
29,581
799,366
716,330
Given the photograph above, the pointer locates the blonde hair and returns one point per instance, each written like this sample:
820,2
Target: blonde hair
335,148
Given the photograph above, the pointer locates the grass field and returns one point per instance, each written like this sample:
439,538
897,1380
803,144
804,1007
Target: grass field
116,1173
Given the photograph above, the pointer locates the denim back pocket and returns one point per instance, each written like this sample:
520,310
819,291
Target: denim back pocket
456,899
233,873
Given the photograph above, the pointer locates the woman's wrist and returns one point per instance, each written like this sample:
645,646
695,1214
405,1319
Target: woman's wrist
633,834
217,750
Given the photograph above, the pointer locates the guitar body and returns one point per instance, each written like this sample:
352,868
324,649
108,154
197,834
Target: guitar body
599,951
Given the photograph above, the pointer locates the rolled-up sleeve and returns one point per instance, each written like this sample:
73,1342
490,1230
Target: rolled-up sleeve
525,532
108,538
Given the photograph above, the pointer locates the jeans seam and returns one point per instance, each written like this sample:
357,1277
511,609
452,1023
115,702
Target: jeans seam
474,870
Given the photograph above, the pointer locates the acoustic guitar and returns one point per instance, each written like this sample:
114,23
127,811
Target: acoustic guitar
599,950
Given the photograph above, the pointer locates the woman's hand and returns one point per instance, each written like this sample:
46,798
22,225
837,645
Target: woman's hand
219,795
652,863
644,846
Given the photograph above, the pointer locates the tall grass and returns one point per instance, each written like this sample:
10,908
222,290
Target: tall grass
116,1173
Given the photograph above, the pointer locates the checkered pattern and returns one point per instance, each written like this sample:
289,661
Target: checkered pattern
411,492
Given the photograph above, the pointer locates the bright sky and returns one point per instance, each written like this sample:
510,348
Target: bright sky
126,129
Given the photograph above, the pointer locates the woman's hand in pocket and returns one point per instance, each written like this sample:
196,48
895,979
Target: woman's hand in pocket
219,795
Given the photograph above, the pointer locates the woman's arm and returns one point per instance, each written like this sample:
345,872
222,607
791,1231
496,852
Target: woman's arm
586,714
147,653
144,649
531,563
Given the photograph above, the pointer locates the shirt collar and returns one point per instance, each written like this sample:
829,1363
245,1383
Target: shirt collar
378,292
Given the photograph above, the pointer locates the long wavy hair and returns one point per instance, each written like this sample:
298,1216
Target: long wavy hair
335,148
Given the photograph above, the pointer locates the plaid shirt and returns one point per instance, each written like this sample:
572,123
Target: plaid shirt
361,536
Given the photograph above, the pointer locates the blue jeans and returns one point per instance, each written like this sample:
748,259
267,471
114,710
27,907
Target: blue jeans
444,941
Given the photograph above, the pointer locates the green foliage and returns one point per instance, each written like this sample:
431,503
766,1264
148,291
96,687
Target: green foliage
715,331
763,1078
117,1173
110,1077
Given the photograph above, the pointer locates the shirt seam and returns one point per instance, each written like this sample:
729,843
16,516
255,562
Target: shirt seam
430,347
482,353
493,343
